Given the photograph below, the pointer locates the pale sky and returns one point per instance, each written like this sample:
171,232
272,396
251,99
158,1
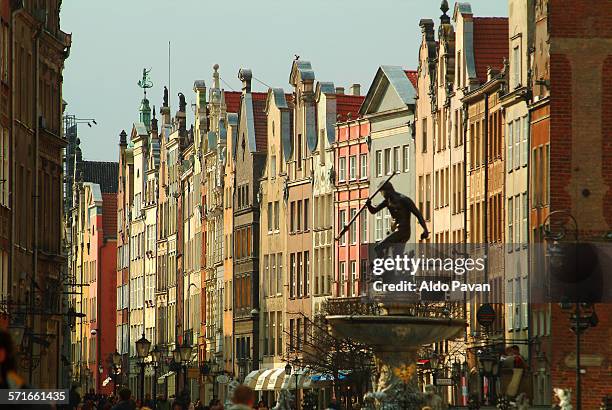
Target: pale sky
113,40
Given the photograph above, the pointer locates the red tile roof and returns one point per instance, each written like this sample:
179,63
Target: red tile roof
413,76
232,100
490,44
109,214
348,104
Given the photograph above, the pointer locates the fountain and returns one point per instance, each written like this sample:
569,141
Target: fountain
395,337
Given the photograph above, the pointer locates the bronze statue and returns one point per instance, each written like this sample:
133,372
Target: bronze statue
182,103
401,208
165,104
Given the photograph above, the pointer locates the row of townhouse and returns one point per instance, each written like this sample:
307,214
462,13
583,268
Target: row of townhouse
491,168
226,230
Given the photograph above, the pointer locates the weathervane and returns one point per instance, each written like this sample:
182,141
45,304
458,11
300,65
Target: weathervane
145,82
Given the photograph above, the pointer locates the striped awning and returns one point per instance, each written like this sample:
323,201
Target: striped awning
251,379
275,382
262,380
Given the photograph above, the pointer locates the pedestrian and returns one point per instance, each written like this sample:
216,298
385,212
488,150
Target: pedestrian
148,402
125,400
262,405
9,378
243,398
162,403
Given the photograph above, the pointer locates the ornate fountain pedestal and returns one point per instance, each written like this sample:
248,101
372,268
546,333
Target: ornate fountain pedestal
395,339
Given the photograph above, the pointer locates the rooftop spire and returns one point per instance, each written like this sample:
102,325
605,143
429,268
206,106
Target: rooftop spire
216,76
444,18
145,109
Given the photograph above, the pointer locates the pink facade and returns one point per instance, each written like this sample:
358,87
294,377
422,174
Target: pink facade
350,194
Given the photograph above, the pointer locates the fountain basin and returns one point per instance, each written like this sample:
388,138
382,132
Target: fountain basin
395,332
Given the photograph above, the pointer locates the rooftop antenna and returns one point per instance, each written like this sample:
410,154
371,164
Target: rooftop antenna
168,71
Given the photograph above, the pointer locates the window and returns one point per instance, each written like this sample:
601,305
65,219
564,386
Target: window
306,213
379,170
276,216
378,226
387,161
353,228
298,158
266,276
292,275
279,273
517,221
525,142
510,220
509,156
424,136
406,158
341,224
428,196
421,189
363,228
516,67
342,169
352,167
342,278
517,143
306,273
4,52
298,274
396,159
299,216
353,280
525,206
292,221
363,162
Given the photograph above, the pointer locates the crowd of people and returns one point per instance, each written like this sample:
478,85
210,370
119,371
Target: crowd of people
243,399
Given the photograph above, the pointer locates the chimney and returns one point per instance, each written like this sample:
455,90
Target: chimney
245,75
355,89
340,90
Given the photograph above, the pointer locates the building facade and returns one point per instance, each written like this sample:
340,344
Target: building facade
34,50
92,260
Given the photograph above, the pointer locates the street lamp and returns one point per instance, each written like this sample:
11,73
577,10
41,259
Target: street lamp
185,356
156,355
489,366
582,315
142,351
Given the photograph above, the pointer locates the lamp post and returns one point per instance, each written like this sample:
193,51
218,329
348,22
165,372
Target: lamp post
489,367
176,358
142,351
582,314
116,359
185,353
156,355
288,370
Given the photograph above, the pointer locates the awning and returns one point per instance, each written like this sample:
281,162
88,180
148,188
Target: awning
251,379
303,380
275,382
326,378
263,379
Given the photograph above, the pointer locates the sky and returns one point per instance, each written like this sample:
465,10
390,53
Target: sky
113,40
